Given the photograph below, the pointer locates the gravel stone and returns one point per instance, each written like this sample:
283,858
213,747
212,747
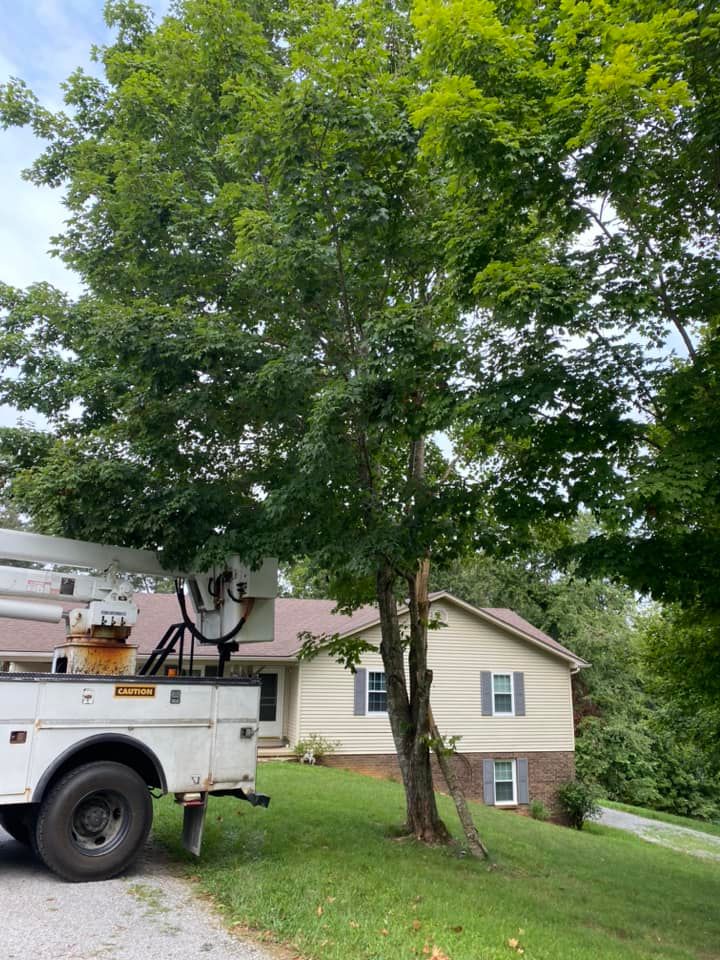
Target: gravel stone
145,914
682,839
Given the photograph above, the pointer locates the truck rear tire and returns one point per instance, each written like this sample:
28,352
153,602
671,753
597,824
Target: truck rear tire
93,822
19,823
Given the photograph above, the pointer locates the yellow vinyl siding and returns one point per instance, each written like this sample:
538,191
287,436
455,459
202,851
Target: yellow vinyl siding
326,706
457,655
461,651
290,724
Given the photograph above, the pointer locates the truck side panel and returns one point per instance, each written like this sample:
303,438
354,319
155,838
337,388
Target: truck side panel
231,742
177,719
17,718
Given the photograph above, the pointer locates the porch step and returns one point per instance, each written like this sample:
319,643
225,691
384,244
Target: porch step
269,749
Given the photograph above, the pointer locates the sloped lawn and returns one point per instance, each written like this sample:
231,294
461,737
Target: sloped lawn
320,870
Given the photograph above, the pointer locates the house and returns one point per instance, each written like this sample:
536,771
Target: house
500,684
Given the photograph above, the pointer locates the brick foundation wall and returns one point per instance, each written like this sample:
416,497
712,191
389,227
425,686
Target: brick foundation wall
546,772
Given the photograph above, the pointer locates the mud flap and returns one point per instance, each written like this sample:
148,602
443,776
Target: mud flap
194,824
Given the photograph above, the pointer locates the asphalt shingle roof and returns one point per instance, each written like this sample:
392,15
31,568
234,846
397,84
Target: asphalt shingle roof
293,617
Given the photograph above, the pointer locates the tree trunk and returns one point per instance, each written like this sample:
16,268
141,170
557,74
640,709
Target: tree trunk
477,847
409,714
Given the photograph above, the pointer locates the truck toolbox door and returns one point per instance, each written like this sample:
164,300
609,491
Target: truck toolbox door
18,707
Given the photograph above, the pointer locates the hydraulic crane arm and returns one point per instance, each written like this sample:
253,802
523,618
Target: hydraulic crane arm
221,597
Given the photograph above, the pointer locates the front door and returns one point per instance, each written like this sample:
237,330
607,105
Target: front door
271,703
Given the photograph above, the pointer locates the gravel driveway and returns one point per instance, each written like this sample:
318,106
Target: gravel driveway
146,914
683,839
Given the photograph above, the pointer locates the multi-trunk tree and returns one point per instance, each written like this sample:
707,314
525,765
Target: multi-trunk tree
309,328
267,348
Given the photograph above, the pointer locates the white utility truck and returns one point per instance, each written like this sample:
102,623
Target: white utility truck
82,747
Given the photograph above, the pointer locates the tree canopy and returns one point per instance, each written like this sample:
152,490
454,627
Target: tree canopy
352,291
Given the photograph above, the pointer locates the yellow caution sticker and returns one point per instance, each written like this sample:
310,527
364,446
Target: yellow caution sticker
134,690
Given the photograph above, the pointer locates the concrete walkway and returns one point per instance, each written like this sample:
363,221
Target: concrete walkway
682,839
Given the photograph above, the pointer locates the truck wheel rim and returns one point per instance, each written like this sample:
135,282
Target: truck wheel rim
100,822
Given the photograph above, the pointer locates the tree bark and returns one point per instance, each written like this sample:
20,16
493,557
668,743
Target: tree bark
409,713
477,847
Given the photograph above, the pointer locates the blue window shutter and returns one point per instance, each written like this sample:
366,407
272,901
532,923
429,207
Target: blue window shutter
486,694
519,694
523,794
360,708
489,782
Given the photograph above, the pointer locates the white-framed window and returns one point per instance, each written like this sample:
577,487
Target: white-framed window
505,782
376,692
502,687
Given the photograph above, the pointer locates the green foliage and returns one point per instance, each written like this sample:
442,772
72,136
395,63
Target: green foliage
315,745
673,498
579,802
275,317
538,810
593,126
617,751
346,650
300,580
265,333
681,650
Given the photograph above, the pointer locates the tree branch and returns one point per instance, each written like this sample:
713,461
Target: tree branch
660,289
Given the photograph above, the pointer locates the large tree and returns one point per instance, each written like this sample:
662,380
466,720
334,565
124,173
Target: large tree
603,116
281,349
267,344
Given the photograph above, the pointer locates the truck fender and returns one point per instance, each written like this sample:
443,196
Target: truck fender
91,748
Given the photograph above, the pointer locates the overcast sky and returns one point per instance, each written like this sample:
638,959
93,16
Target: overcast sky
42,42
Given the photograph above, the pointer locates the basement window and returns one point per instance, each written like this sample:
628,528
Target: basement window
504,782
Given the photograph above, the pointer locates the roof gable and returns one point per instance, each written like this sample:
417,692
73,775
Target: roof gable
502,617
513,622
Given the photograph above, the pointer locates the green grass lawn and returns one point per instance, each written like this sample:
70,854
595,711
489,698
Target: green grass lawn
320,870
702,825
